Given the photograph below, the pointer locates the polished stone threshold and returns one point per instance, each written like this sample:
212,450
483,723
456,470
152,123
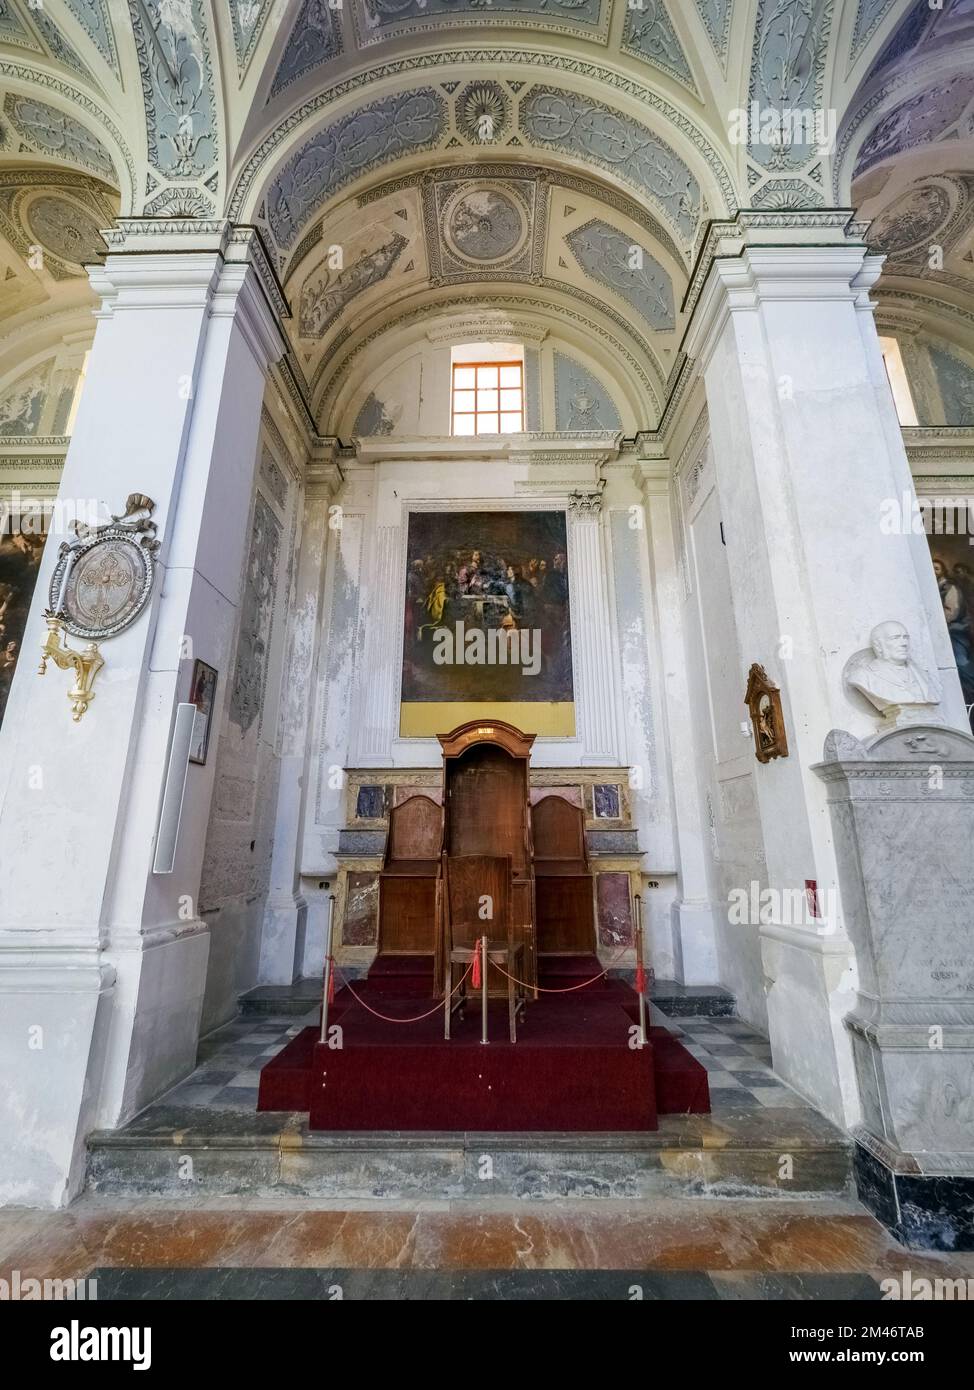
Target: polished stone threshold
667,1249
266,1154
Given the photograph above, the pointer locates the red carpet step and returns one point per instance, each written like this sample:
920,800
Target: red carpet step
572,1068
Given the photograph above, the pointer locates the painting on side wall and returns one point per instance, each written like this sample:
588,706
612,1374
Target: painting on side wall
952,552
20,558
487,623
202,694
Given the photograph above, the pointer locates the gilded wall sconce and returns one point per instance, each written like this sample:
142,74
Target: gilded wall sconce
86,664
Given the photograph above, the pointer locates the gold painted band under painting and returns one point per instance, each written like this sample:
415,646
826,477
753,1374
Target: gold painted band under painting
546,718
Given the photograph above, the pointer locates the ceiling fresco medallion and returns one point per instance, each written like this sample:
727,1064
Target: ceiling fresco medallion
912,220
484,224
64,229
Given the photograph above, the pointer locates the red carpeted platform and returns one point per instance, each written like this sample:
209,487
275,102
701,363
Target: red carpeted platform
572,1067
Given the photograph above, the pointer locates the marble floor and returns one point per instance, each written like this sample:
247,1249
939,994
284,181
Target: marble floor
248,1244
737,1059
667,1249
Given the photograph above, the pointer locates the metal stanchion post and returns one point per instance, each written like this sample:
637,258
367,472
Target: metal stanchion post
640,972
483,991
328,967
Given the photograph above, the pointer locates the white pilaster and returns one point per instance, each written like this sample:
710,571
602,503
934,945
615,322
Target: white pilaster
283,937
170,408
695,944
596,677
805,460
380,675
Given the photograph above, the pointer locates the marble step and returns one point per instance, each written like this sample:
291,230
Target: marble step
280,1000
780,1154
679,1001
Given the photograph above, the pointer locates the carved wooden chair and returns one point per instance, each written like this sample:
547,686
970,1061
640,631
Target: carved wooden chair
471,882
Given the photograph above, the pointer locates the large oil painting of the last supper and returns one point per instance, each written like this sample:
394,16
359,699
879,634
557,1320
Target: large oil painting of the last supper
487,623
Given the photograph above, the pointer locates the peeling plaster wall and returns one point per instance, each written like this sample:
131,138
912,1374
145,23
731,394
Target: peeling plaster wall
652,809
725,755
240,835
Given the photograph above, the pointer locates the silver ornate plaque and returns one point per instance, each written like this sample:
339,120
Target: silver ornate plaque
103,579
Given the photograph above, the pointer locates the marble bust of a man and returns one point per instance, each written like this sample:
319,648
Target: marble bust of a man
891,680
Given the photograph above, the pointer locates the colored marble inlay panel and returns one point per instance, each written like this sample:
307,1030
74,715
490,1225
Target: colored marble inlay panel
361,924
614,909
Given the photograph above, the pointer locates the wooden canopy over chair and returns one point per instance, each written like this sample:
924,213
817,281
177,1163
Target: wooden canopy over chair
563,879
486,812
408,880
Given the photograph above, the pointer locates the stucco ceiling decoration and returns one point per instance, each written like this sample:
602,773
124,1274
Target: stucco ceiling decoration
649,35
315,41
377,20
247,18
94,16
788,76
276,112
614,260
918,90
57,213
484,226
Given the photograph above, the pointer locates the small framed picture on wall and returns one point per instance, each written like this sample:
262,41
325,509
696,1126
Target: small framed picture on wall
202,694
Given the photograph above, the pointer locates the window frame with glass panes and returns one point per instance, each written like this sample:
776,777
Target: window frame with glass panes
480,392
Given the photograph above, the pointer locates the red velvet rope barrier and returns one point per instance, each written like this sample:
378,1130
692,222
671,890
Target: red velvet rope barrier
386,1018
566,989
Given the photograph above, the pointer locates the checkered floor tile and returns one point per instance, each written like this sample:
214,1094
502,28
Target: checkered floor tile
737,1060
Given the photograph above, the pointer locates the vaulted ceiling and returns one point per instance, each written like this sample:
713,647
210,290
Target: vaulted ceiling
410,158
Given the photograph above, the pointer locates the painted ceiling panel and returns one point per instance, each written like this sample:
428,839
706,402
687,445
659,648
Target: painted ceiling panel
626,267
922,119
174,59
581,401
315,40
53,132
362,140
12,31
716,16
247,17
94,18
330,289
870,15
650,35
58,44
567,121
380,16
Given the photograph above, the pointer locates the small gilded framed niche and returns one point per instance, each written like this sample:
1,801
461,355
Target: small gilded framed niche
763,700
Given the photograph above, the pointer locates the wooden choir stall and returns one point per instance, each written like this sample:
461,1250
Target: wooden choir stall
437,857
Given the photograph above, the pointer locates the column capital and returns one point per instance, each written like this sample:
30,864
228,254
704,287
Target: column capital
185,263
791,255
586,506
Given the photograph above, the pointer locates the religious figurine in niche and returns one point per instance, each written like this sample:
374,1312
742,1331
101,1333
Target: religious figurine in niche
892,681
763,700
